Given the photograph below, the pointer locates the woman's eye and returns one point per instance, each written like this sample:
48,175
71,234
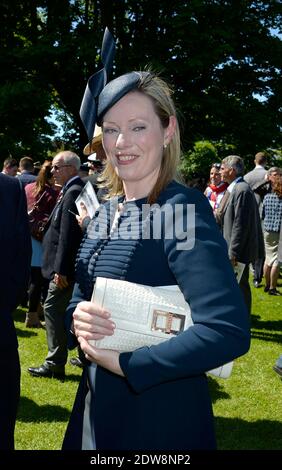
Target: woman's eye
109,130
138,128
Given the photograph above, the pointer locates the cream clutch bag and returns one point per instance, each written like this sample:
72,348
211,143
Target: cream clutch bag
144,316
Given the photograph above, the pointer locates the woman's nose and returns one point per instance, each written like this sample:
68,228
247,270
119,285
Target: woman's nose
122,140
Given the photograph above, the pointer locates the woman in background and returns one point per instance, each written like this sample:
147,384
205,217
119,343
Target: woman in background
216,188
41,189
272,219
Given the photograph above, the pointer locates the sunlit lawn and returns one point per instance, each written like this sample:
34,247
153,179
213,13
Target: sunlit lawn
247,406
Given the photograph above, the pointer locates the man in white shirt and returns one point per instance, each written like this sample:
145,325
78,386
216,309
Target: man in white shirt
240,221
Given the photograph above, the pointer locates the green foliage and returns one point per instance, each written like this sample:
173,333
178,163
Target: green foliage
197,162
223,60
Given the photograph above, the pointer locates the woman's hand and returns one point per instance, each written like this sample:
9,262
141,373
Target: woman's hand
106,358
91,322
60,281
83,213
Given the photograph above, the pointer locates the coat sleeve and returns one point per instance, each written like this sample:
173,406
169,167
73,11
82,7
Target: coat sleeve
221,326
70,234
18,260
77,296
244,208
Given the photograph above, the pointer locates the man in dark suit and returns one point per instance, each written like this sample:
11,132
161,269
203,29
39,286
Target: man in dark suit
27,171
14,274
253,178
241,221
60,244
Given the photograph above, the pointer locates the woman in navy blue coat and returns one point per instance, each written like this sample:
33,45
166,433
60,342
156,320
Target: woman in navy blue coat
153,398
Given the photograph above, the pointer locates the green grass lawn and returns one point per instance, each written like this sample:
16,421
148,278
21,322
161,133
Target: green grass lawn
247,406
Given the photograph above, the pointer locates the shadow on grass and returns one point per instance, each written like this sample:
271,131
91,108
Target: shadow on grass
73,377
270,325
237,434
68,378
19,314
25,333
30,412
216,390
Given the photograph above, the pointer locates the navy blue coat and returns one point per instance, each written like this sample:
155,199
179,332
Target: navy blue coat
63,235
163,403
15,255
15,246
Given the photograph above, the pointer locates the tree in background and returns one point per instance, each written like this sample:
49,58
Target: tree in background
223,59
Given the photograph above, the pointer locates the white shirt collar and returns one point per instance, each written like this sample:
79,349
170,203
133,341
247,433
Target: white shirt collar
71,179
232,185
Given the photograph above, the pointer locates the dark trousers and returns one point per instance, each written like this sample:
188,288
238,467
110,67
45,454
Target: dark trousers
245,288
55,306
9,396
38,287
258,269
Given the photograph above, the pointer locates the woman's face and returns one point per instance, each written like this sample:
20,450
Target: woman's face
133,139
215,177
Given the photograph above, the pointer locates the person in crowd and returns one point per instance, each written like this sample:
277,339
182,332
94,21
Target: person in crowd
238,213
96,157
274,174
257,175
10,166
216,188
254,178
121,398
264,187
272,220
14,274
278,365
39,193
26,168
83,171
60,244
96,146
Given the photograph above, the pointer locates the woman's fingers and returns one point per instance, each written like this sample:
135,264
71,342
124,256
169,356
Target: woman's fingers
102,357
92,321
91,309
92,334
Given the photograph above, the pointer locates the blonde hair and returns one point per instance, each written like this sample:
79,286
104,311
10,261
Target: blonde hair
161,96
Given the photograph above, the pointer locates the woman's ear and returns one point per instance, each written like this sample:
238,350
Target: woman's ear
169,131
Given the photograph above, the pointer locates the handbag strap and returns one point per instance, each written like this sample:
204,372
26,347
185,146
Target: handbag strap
38,201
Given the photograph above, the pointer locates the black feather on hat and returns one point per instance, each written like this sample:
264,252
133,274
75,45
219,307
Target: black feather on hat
96,83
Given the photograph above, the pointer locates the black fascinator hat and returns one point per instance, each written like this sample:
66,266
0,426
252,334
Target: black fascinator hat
116,89
95,84
100,96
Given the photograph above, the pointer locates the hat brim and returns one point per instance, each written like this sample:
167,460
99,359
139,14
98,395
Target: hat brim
116,89
93,145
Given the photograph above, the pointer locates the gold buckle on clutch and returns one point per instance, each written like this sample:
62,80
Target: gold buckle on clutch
167,322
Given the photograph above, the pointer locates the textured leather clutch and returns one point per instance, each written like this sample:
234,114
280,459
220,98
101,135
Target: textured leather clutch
144,315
